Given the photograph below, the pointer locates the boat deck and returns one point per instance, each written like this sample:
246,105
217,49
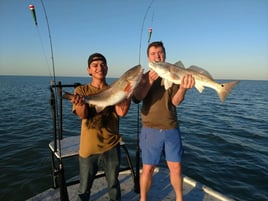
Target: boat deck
161,190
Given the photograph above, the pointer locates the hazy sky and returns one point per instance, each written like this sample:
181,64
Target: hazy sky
228,38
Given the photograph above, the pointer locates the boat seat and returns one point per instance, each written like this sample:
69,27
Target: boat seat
69,148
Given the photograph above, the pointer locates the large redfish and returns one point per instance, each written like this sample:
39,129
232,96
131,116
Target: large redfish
117,92
173,73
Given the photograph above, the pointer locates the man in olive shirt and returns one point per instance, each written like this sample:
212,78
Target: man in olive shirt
100,138
160,132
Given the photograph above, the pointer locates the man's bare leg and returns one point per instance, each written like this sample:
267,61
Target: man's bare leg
146,180
176,179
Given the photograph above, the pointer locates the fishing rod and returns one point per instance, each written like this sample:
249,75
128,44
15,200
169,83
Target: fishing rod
57,123
63,187
137,175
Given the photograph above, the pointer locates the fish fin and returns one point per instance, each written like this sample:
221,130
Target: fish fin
162,82
128,88
200,70
199,87
179,64
166,83
225,89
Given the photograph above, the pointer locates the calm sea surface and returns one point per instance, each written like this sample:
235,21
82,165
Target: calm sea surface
226,144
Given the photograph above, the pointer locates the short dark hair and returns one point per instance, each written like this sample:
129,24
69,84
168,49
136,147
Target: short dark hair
96,57
156,44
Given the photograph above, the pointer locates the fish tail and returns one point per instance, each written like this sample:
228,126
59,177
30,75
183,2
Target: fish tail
225,89
67,95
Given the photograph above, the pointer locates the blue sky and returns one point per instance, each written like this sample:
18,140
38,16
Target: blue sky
228,38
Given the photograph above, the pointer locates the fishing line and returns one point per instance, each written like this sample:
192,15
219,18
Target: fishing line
32,8
152,17
137,172
44,52
50,42
142,27
53,96
150,30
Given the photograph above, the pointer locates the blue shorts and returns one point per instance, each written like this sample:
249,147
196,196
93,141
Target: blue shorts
154,142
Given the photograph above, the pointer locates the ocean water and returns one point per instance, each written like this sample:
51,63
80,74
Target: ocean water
225,144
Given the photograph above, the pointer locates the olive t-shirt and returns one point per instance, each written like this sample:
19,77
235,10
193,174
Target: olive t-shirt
157,108
100,131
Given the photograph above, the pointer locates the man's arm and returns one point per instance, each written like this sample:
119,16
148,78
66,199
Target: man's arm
80,108
122,108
